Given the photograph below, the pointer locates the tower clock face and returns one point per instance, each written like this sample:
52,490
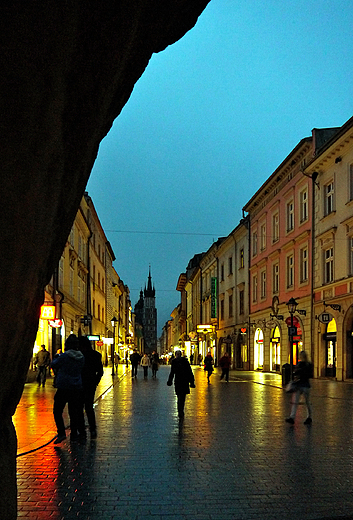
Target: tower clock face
275,305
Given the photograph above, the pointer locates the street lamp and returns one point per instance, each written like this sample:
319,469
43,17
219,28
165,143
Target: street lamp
292,307
114,320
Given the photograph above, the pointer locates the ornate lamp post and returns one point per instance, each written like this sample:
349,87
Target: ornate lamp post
114,320
292,307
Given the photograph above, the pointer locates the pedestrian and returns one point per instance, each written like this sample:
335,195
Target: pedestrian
199,359
154,363
302,374
191,359
225,363
55,370
208,361
134,360
145,363
92,373
42,361
183,380
69,390
116,360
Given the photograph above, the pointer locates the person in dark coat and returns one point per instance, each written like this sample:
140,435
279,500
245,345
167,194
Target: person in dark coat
134,360
154,363
69,390
208,366
92,373
302,374
183,380
225,363
42,361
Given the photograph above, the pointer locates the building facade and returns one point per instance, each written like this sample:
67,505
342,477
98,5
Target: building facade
332,169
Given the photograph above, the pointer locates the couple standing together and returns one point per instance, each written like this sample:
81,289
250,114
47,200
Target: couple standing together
78,372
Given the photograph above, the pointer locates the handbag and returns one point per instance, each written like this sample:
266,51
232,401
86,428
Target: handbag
291,387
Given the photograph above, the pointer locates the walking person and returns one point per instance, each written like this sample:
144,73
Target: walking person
69,390
302,374
92,373
145,363
154,363
42,361
184,379
208,361
134,360
225,363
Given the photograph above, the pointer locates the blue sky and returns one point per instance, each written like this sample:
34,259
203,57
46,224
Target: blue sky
210,119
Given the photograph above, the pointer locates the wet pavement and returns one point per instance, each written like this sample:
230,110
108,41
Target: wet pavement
233,457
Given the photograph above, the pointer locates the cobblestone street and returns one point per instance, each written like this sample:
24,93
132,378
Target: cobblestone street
233,457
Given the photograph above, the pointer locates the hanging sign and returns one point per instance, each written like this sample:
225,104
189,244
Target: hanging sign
325,317
55,324
47,312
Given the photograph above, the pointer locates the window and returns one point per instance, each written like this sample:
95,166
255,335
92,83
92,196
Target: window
79,290
275,227
254,243
290,216
263,236
61,272
351,182
263,284
329,194
290,271
72,236
304,264
351,255
103,285
230,305
94,308
304,205
222,309
241,259
328,274
230,265
275,287
99,312
99,280
71,282
222,272
241,302
254,288
83,292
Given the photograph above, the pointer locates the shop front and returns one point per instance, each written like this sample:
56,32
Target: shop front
259,349
330,338
275,350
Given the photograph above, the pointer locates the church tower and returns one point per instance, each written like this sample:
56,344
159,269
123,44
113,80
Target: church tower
146,315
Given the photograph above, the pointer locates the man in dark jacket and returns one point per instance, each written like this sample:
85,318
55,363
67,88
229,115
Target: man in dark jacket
69,390
134,360
42,361
184,380
92,373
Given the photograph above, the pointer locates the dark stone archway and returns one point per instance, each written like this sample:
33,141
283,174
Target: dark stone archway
67,69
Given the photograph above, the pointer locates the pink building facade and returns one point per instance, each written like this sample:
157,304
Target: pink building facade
280,243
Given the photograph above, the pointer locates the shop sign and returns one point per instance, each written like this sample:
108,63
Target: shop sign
213,297
108,341
292,331
99,343
47,312
289,321
94,337
55,323
325,317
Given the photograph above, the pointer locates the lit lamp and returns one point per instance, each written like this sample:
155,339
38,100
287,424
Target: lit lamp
114,320
292,307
